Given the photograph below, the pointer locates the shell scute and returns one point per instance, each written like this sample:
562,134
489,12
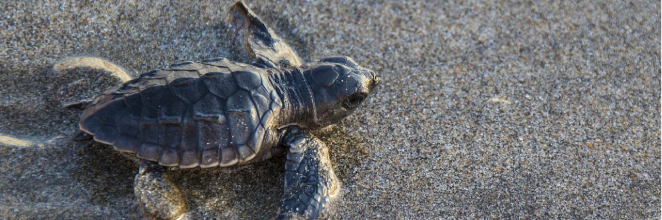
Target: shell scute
189,90
190,159
149,151
155,96
133,99
170,135
218,62
187,66
221,84
210,109
171,112
212,135
110,112
245,153
247,80
260,100
242,117
90,124
228,156
129,122
127,143
209,158
149,125
107,134
169,157
189,132
181,75
256,140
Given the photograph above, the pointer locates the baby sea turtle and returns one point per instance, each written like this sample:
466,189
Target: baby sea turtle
222,113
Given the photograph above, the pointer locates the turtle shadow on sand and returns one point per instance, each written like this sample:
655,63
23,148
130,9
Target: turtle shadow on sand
51,170
105,175
252,191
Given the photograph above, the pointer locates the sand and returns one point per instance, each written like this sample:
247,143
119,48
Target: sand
486,109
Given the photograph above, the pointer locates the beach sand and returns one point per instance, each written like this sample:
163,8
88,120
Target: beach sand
509,109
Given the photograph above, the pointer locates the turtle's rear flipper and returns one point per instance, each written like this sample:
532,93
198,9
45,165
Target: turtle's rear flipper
310,183
82,136
261,41
77,105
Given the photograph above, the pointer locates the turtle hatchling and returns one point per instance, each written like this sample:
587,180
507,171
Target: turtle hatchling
220,113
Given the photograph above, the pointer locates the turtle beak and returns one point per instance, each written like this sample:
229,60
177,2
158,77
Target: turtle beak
375,80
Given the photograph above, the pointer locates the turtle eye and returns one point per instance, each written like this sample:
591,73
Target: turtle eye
353,101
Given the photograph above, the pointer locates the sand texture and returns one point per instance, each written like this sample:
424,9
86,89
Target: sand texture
512,109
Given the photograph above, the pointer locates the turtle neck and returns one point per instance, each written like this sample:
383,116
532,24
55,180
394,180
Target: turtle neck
296,96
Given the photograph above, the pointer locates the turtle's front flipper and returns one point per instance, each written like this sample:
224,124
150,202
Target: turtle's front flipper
261,42
158,197
310,182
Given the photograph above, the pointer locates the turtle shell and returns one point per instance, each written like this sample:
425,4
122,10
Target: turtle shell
209,113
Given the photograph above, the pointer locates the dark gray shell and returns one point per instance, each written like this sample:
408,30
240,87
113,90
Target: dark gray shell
205,114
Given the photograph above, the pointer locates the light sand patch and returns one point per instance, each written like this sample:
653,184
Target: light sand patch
14,141
499,100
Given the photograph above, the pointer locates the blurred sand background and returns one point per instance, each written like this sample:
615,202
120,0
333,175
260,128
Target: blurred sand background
510,109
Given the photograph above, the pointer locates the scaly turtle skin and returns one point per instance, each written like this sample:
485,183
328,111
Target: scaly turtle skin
222,113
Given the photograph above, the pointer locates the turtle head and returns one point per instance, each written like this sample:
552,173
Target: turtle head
339,85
